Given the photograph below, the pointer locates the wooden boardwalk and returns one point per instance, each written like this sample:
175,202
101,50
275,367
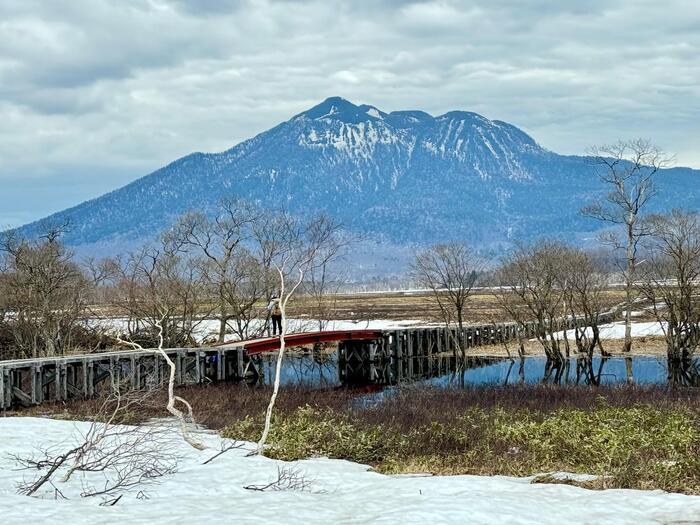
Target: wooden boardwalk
364,357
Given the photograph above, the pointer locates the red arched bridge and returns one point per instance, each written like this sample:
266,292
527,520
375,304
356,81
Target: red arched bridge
271,344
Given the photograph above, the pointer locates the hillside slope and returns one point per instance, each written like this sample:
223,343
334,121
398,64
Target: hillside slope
402,178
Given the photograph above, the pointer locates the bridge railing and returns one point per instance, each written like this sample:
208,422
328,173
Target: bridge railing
33,381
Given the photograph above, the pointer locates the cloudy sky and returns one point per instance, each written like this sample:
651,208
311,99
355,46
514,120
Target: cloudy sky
96,93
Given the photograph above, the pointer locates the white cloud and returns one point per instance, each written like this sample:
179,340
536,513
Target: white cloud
96,93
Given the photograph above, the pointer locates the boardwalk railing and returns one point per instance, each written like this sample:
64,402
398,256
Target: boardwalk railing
363,356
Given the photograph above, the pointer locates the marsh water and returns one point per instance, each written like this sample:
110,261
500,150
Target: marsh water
322,371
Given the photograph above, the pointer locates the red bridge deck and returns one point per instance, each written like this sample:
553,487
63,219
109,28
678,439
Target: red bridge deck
270,344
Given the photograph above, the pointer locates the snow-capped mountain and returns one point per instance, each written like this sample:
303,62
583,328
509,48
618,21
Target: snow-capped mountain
403,178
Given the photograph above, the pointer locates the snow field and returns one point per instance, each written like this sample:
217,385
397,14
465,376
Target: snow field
341,492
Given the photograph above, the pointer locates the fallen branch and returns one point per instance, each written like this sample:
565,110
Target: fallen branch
232,446
127,456
288,479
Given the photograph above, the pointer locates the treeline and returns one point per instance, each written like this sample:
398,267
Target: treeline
226,267
554,284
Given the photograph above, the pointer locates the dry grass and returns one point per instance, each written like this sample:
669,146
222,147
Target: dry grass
482,307
629,436
219,405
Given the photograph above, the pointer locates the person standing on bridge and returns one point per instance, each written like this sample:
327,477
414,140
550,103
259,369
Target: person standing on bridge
276,314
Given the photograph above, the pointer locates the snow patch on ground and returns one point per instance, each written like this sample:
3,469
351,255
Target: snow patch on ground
209,328
342,492
617,330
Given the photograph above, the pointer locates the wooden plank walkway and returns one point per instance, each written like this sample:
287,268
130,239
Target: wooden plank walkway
34,381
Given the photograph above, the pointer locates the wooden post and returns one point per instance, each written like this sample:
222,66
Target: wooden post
4,379
61,381
156,369
221,365
65,371
180,361
114,373
199,366
133,365
37,384
398,344
240,365
84,370
421,335
91,378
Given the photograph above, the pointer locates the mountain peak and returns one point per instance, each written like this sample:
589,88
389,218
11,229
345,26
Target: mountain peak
338,108
332,106
462,115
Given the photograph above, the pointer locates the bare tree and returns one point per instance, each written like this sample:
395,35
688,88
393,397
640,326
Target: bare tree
628,169
6,337
322,284
270,233
583,282
530,291
46,292
584,287
239,250
231,270
301,245
671,282
450,272
164,302
157,288
287,480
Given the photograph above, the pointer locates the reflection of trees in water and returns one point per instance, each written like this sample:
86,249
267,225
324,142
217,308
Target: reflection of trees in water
579,370
450,368
586,371
317,367
318,364
683,372
592,372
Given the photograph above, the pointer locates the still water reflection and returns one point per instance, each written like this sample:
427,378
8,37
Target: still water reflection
321,371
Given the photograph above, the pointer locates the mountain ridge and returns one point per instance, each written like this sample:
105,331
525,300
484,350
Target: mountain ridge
402,178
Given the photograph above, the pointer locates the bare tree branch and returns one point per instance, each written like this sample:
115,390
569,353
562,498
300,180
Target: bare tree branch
628,169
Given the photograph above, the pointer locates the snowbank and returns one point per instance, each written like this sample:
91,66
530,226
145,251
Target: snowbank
342,492
209,328
617,330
